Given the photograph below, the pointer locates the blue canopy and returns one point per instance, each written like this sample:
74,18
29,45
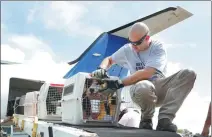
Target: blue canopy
105,45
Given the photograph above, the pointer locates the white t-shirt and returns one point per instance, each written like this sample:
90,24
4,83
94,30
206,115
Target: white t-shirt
131,118
155,56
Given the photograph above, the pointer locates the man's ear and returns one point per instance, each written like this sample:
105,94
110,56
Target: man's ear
147,37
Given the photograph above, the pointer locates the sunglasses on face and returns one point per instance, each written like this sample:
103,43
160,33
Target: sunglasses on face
138,42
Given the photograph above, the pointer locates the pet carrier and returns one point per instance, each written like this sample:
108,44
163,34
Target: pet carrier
49,101
30,104
19,105
83,104
16,105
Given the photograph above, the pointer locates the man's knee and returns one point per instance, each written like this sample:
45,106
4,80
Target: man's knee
144,89
189,74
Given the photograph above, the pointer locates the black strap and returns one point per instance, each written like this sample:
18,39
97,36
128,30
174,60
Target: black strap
124,112
100,68
50,131
136,111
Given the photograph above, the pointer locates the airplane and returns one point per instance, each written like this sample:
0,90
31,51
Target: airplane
109,42
106,44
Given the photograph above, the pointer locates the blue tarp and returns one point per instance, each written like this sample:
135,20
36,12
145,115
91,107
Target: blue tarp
106,45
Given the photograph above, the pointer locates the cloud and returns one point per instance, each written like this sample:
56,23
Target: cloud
172,68
3,29
173,44
178,45
39,66
29,44
11,54
2,26
31,15
60,16
193,112
65,16
204,5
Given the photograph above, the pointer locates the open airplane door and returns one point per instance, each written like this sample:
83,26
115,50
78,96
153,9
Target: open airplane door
109,42
19,87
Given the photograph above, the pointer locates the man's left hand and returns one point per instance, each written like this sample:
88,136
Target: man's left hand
112,84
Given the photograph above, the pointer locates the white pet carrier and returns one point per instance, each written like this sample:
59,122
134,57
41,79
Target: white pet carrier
16,104
19,105
30,104
49,101
82,104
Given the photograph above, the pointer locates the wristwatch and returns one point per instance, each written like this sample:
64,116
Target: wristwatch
121,85
100,68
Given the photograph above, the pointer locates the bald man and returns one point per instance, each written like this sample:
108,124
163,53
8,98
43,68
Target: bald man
147,60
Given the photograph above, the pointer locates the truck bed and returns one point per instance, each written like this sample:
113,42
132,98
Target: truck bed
115,132
59,129
124,132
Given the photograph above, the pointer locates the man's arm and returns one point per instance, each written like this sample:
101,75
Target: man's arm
116,58
138,76
107,63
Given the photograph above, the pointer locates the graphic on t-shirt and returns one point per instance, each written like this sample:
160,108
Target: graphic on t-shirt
140,66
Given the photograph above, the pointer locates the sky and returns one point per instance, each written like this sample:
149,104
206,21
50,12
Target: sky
44,36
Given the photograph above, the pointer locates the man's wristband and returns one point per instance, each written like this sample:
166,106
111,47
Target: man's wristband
100,68
121,85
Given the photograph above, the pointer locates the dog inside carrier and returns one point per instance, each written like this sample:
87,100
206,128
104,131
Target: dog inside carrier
49,102
97,106
83,103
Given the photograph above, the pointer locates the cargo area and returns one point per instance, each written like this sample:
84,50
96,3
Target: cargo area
18,87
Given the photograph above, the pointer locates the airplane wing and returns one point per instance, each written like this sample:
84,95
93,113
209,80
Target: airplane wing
4,62
156,22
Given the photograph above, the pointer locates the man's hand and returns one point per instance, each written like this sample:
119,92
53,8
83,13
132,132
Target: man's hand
99,73
111,85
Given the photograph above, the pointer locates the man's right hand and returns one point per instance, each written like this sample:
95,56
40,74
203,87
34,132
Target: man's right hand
100,73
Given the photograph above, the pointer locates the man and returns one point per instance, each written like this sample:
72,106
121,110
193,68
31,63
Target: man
206,128
147,59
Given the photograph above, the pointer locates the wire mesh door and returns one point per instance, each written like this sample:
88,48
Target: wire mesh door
97,106
17,100
20,107
53,100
